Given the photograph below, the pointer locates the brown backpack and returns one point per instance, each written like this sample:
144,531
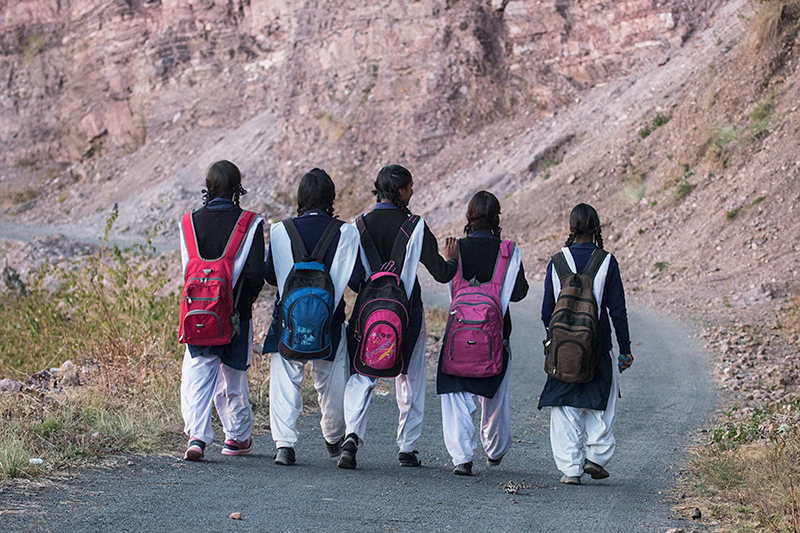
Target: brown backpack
573,336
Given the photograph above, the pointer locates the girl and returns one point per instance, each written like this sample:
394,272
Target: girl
478,255
315,196
393,190
218,374
583,414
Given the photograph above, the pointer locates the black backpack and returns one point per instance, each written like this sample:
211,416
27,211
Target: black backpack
573,336
308,298
379,323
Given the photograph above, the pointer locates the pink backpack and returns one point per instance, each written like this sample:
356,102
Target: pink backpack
473,340
208,309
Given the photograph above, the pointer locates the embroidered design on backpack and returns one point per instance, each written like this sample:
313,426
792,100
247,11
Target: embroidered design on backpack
308,299
381,313
473,339
573,335
208,315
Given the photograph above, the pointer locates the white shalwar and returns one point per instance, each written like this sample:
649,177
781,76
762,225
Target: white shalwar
206,381
330,377
459,429
410,394
458,407
578,434
410,387
286,400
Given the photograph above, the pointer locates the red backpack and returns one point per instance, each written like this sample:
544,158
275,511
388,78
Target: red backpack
208,309
473,340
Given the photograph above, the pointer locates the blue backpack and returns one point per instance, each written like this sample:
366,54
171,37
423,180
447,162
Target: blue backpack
308,299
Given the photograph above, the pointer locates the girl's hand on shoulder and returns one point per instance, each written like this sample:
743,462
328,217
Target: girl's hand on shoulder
451,248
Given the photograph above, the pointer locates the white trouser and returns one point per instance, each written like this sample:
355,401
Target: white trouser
577,435
286,400
206,381
410,399
459,429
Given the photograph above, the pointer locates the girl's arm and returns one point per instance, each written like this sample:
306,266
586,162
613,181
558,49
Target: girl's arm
549,300
615,303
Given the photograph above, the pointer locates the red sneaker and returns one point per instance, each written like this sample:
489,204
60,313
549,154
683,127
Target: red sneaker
194,452
234,447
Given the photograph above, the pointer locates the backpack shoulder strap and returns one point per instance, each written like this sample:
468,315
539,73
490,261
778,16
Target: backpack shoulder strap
597,258
325,241
503,260
398,256
187,224
299,251
368,244
561,266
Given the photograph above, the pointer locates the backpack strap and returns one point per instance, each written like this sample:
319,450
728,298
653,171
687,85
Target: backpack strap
236,240
299,251
189,236
398,256
503,260
561,266
597,258
370,250
325,241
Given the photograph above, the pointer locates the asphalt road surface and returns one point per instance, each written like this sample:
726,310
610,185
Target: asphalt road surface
667,396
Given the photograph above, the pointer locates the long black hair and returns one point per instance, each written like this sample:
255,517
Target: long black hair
390,180
483,212
223,180
584,222
316,191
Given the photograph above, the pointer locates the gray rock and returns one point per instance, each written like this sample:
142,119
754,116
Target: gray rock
10,385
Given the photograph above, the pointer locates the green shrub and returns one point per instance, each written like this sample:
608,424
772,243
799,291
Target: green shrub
682,190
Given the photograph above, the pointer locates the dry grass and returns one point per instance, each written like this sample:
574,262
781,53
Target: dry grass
751,486
768,21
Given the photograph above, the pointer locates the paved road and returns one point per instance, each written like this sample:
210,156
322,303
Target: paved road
667,396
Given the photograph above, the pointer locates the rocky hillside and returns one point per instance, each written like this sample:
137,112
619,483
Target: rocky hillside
128,101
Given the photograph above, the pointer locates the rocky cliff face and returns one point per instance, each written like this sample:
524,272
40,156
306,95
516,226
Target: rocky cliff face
339,84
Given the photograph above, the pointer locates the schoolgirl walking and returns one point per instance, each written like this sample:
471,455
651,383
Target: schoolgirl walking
475,356
310,332
584,403
383,257
222,252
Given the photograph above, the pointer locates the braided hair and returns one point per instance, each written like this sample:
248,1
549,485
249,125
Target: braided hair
483,212
390,180
223,180
584,222
316,191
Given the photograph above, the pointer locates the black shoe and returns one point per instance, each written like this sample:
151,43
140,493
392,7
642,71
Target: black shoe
335,449
463,469
595,470
494,462
409,459
285,457
348,457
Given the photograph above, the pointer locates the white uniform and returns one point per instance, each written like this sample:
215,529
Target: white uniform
206,381
577,434
286,376
410,387
458,407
